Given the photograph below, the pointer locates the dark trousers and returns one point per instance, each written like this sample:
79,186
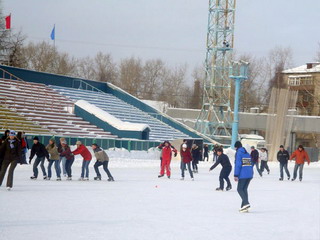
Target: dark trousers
183,166
195,165
224,175
56,166
105,168
35,166
257,167
5,165
285,167
68,167
296,167
205,156
242,189
23,157
264,165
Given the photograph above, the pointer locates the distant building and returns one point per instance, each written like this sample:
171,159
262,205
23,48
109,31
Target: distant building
306,80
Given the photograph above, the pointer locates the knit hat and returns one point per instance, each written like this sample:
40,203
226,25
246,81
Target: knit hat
252,147
281,146
184,145
36,138
238,144
12,133
78,143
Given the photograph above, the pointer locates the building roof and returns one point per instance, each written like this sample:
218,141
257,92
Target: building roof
315,67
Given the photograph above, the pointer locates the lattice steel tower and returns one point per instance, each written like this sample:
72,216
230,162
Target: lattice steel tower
215,117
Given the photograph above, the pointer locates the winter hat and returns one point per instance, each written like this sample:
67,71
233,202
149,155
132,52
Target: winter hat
94,144
36,138
252,147
78,143
281,146
238,144
184,145
12,133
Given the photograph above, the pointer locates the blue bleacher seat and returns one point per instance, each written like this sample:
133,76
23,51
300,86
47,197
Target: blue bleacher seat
124,111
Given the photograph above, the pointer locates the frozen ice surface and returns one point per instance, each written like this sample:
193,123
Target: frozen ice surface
140,206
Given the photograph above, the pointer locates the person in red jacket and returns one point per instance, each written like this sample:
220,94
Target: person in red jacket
186,158
167,150
301,156
84,152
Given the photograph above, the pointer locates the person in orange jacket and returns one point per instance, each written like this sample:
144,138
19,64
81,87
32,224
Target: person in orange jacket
167,150
301,156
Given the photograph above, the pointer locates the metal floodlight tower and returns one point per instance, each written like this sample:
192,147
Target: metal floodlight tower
238,72
215,117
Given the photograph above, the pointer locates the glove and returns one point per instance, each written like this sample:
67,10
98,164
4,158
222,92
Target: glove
29,161
175,154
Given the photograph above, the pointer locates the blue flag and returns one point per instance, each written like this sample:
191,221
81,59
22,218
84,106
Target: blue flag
53,33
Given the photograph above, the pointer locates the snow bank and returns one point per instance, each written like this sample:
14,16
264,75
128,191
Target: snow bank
110,119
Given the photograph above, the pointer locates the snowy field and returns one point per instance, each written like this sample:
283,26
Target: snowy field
140,206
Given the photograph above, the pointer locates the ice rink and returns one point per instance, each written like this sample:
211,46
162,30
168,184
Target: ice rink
140,206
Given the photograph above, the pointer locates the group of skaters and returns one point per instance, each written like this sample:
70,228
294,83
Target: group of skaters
243,166
14,148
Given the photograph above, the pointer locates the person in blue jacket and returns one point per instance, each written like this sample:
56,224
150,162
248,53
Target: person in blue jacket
243,173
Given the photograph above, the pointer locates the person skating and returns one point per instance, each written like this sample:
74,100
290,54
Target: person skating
283,157
24,147
40,151
243,173
223,159
65,151
264,160
11,150
196,156
3,138
186,158
166,152
54,159
206,152
84,152
63,160
300,156
102,160
255,159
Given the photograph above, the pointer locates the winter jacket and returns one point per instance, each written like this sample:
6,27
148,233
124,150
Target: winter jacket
53,151
223,159
40,150
300,156
66,152
206,151
11,150
84,152
283,156
196,154
264,156
167,152
243,164
101,155
186,156
254,156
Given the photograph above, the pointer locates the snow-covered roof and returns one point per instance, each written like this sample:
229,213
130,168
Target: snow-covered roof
303,69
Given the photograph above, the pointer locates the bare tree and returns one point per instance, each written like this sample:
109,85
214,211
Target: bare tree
131,73
105,68
86,68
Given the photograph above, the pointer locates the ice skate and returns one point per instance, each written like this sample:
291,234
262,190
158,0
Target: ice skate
69,178
169,177
228,188
245,208
300,179
81,179
45,178
97,178
111,179
280,179
182,178
9,188
159,176
33,178
86,179
293,179
59,179
192,179
219,189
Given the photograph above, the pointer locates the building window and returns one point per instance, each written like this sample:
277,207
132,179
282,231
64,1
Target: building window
300,80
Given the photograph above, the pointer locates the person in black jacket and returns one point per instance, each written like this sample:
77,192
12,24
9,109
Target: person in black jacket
41,152
206,152
196,156
11,150
3,138
255,159
225,171
283,157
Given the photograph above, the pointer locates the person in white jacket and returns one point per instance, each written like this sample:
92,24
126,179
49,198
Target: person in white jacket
264,160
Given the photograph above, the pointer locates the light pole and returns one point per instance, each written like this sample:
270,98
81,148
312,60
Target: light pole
238,72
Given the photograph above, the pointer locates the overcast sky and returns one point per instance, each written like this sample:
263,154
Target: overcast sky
173,30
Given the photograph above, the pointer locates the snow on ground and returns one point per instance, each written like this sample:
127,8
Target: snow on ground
140,206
